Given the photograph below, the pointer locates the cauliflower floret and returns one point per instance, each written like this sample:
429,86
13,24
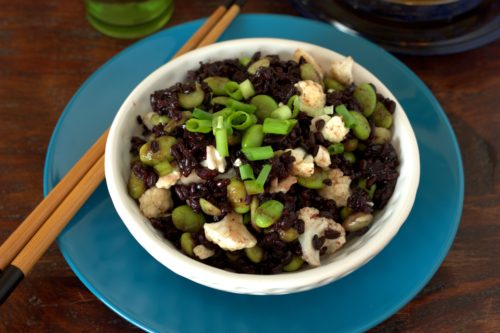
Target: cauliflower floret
311,96
313,127
316,225
342,70
214,161
322,158
309,59
334,130
230,233
169,180
155,202
303,166
191,178
283,185
340,190
203,252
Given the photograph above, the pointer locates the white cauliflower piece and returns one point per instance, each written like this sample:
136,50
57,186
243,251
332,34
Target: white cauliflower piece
311,96
334,130
303,166
169,180
203,252
342,70
192,178
340,190
309,59
313,127
322,158
237,163
283,185
316,225
155,202
230,233
214,161
146,119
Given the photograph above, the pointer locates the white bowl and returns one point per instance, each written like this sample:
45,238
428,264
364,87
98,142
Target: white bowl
353,255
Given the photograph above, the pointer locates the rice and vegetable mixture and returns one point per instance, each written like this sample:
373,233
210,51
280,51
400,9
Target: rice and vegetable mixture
262,165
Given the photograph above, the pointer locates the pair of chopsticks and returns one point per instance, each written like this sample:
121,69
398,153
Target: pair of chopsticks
25,246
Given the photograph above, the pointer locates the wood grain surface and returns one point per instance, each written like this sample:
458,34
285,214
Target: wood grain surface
47,50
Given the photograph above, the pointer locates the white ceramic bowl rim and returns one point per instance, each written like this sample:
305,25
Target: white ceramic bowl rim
236,282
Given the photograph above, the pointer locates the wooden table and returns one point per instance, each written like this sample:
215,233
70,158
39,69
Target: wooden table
47,49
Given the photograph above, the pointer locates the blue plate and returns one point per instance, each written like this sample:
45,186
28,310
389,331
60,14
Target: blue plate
120,273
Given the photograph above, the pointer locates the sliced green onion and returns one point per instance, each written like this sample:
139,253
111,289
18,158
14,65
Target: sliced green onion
258,153
268,213
245,61
318,112
233,90
347,117
283,112
163,168
226,112
246,88
239,106
222,100
252,187
294,105
240,120
201,114
199,125
336,148
263,174
278,126
220,133
246,172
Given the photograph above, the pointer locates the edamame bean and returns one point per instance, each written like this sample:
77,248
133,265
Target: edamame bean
209,208
157,119
349,157
293,265
361,128
381,135
253,68
308,72
187,243
136,186
265,105
289,235
253,137
268,213
350,145
381,116
366,97
313,182
255,254
345,212
237,195
185,219
193,99
333,84
185,116
216,84
357,221
153,153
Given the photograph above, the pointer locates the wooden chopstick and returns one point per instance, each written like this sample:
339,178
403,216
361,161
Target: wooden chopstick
31,239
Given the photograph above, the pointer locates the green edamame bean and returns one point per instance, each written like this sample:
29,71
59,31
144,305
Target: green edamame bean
357,221
349,157
333,84
293,265
237,195
157,119
361,128
366,97
216,84
193,99
381,116
345,212
185,116
136,186
289,235
253,137
253,68
187,243
161,153
350,145
315,181
308,72
185,219
265,105
268,213
255,254
209,208
381,135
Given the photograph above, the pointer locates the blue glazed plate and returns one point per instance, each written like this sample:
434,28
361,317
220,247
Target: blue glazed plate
121,274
